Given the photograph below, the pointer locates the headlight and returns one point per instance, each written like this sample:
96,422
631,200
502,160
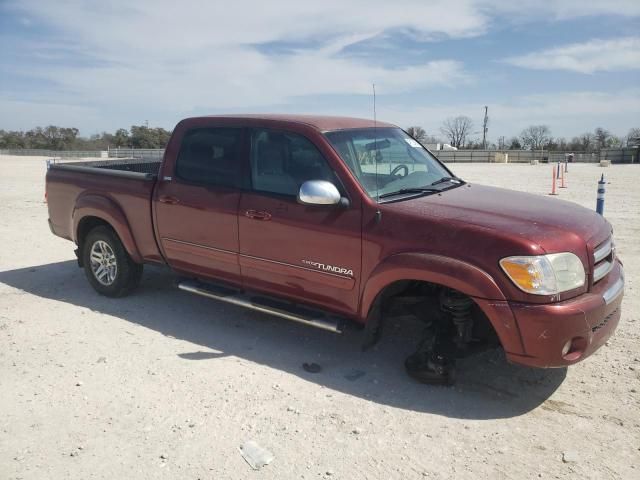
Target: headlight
545,274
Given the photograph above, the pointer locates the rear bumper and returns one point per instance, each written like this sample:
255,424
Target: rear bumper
583,323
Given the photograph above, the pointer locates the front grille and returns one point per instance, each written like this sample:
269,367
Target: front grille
604,322
603,257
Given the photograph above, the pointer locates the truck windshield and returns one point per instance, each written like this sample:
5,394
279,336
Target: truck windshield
387,161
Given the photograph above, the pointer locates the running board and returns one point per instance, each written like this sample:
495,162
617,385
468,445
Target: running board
271,306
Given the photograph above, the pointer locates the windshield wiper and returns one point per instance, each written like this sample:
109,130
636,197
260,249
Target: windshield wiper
409,190
447,179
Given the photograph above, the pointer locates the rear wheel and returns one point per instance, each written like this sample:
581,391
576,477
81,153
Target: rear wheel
107,265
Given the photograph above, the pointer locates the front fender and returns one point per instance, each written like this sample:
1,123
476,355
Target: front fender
92,205
448,272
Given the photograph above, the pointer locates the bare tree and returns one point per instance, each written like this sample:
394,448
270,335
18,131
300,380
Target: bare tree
536,136
585,141
514,143
418,133
602,136
615,142
633,137
558,144
456,130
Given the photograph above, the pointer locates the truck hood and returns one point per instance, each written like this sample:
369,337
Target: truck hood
547,221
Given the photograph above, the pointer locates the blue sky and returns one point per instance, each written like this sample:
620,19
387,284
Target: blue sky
571,64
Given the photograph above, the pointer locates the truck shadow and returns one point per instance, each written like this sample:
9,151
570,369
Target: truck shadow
488,387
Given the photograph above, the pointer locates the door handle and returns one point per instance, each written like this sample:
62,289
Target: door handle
169,200
257,215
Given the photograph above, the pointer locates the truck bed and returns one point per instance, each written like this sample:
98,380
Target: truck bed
122,188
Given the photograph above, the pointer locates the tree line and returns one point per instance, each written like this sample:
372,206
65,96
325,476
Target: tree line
459,132
61,138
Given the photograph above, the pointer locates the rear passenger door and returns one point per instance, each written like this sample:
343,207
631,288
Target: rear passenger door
197,207
311,253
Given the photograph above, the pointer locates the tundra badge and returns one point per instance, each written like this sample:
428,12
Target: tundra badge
328,268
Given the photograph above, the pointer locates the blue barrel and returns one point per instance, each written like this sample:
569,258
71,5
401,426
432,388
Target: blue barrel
601,190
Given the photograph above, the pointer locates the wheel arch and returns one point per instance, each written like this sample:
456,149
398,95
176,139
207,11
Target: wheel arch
94,210
445,272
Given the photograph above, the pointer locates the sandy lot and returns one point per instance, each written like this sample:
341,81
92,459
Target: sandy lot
163,384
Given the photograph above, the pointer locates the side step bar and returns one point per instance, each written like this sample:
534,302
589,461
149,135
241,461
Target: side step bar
314,318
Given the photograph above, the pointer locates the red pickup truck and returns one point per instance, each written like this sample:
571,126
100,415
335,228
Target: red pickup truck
325,219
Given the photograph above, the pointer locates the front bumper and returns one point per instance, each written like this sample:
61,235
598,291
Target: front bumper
583,323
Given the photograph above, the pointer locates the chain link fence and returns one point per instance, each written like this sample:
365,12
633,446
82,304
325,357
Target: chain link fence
141,153
618,155
615,155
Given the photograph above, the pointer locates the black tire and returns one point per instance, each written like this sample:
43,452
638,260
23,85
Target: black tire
122,280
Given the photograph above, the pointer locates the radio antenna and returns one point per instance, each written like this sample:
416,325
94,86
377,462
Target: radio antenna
375,141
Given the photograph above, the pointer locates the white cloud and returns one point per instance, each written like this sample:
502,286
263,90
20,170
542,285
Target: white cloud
171,27
201,57
562,9
588,57
109,63
239,77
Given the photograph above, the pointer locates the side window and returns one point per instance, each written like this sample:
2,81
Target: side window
210,155
281,162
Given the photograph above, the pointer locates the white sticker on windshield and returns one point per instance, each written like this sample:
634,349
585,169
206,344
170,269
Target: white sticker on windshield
412,142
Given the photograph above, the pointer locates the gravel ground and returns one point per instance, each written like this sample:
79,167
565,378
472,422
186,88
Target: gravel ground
167,385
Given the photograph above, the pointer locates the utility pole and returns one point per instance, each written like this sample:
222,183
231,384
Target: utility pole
484,128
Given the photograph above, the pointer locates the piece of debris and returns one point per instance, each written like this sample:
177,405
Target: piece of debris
311,367
255,455
570,457
78,384
164,456
102,360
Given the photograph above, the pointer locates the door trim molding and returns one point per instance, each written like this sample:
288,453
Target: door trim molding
195,249
265,264
331,274
199,245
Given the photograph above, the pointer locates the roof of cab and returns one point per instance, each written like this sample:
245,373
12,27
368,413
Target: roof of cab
321,122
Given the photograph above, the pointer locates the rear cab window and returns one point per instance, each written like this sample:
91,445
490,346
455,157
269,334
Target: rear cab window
210,156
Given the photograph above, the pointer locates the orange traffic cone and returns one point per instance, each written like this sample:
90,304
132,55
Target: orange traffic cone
553,181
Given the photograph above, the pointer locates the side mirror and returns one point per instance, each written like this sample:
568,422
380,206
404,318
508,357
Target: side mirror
319,192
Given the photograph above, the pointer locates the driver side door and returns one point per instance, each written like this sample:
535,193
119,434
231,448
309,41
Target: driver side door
310,253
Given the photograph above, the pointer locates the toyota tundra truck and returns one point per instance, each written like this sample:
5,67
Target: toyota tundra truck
330,221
